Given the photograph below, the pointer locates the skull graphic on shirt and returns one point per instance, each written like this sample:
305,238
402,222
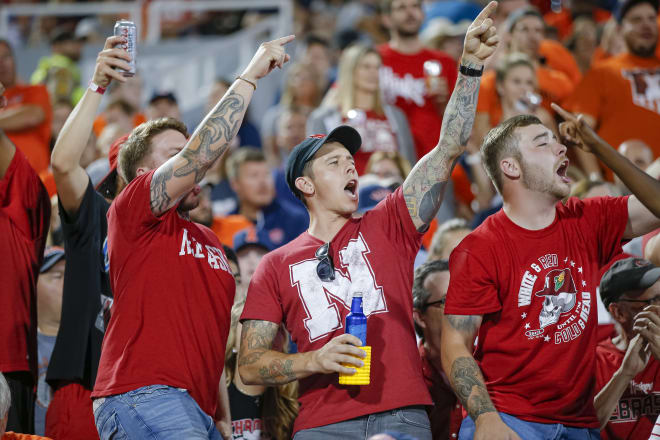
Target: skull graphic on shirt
559,294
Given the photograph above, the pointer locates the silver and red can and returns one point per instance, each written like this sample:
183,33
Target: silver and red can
128,30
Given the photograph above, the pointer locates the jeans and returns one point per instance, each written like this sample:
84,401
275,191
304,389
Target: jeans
534,431
410,420
153,412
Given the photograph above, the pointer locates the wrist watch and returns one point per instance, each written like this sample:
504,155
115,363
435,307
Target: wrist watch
469,71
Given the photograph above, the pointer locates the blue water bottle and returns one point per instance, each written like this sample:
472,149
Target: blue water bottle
356,322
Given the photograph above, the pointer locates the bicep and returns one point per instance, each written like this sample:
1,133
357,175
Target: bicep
172,180
257,335
461,329
640,220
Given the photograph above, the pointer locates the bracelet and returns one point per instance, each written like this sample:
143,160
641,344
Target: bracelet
248,81
469,71
96,88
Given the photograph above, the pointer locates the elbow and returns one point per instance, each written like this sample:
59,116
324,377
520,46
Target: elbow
59,164
248,374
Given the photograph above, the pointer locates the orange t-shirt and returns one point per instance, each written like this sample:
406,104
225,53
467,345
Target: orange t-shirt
623,94
226,227
563,21
33,142
557,57
100,122
554,86
14,436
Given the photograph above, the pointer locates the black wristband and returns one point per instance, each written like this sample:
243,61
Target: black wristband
468,71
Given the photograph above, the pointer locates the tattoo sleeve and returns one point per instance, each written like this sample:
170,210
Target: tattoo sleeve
424,188
207,144
465,375
273,368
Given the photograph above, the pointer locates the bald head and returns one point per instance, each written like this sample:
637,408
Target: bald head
637,152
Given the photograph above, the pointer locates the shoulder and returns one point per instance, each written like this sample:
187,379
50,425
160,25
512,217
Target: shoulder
385,49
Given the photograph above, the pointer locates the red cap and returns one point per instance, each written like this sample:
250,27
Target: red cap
108,184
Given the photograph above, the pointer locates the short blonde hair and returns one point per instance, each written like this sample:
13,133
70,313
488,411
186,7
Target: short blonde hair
138,144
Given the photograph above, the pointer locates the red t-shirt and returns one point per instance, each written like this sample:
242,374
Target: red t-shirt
33,142
376,133
24,222
639,405
173,291
536,291
374,255
403,84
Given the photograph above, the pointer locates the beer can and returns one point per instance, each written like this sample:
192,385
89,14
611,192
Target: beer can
128,30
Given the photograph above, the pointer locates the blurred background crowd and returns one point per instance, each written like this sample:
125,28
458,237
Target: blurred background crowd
387,72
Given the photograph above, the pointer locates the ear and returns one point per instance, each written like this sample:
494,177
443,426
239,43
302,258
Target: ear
385,19
510,168
617,313
419,320
305,185
141,170
498,87
233,185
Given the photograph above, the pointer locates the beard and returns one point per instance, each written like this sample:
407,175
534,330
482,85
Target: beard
408,31
643,52
533,179
188,203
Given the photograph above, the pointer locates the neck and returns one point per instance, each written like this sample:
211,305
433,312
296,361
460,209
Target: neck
325,226
364,100
529,210
48,325
407,45
249,211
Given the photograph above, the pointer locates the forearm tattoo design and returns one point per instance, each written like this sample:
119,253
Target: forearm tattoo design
424,188
215,134
257,339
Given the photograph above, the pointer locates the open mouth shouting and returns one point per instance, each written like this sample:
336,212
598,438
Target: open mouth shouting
351,189
561,171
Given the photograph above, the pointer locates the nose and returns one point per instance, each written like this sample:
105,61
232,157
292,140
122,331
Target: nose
561,148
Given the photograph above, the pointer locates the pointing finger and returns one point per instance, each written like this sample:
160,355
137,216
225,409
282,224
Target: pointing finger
485,13
563,113
284,40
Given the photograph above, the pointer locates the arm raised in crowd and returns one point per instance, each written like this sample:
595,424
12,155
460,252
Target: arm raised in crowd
259,364
7,148
179,174
644,203
70,177
423,190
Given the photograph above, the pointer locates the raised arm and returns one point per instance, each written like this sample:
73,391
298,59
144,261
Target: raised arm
259,364
458,334
70,178
177,176
7,148
423,190
644,204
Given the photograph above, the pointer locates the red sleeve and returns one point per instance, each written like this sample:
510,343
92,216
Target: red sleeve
24,199
472,287
263,298
392,217
609,217
133,206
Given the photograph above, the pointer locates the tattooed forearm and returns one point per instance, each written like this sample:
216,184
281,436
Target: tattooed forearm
424,188
277,372
160,200
468,383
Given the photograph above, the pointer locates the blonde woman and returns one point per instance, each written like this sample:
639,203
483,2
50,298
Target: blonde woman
357,102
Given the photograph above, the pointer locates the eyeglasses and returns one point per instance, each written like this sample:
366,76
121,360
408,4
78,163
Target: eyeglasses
325,269
440,302
651,301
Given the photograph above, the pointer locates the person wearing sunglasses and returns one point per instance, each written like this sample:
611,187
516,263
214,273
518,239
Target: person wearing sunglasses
628,367
308,283
429,293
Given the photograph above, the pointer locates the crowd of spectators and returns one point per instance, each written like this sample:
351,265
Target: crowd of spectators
386,69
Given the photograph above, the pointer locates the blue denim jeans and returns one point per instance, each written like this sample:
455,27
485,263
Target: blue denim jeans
153,412
534,431
410,420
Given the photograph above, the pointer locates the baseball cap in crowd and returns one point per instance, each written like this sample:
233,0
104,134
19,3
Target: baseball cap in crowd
370,195
61,34
252,237
629,274
305,151
108,185
163,95
626,5
51,256
518,15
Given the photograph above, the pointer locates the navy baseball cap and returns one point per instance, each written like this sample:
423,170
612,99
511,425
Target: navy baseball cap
371,195
627,275
51,256
305,151
626,5
252,237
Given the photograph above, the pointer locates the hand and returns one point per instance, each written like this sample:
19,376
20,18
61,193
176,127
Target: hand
489,426
109,58
636,357
574,131
342,348
3,99
224,429
647,324
481,38
269,55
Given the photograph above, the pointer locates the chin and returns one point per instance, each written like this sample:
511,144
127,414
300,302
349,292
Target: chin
188,203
